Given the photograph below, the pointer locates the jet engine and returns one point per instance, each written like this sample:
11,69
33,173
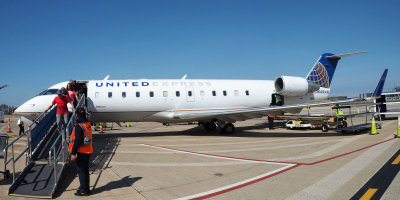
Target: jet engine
294,86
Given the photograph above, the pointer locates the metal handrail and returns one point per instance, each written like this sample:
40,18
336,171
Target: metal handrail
61,154
27,150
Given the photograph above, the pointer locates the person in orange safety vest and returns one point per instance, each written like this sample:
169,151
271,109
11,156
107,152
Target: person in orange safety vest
80,147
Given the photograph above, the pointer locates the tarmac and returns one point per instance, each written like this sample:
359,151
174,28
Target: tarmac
183,161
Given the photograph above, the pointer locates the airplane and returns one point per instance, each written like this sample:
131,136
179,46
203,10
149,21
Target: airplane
211,103
3,86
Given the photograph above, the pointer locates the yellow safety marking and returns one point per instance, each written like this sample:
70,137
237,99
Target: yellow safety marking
396,161
370,192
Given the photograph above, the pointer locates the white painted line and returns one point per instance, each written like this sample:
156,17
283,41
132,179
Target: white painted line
235,184
216,156
229,143
178,138
321,152
268,148
328,185
133,152
231,186
201,164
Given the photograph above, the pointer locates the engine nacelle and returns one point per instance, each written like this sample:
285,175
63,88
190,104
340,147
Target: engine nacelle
294,86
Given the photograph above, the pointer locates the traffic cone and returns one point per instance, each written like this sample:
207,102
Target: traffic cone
9,126
398,127
373,127
127,124
101,128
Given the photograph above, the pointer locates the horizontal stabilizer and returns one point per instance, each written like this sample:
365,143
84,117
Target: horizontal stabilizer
344,55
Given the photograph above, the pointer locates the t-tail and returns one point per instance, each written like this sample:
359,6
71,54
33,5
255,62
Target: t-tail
322,72
378,90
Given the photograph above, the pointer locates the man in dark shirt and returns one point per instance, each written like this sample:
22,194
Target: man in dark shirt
81,150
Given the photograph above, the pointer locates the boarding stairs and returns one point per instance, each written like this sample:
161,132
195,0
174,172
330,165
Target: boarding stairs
46,156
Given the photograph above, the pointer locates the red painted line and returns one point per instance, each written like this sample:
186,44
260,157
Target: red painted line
244,184
278,162
265,177
345,154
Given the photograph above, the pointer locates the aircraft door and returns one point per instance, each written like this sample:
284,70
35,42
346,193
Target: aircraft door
190,94
277,100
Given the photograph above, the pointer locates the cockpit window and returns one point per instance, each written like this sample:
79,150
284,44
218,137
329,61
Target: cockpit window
48,92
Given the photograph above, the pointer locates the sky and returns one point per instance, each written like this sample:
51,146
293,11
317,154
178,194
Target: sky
46,42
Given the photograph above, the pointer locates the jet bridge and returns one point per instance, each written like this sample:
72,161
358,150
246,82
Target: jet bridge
46,156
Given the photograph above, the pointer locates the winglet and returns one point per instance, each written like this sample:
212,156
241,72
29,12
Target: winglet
379,87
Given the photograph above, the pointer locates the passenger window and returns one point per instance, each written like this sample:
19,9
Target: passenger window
178,94
151,94
214,93
202,93
137,94
97,94
236,93
165,93
224,92
247,93
123,94
190,93
109,94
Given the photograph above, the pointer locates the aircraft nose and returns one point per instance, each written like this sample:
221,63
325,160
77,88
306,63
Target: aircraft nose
19,109
24,108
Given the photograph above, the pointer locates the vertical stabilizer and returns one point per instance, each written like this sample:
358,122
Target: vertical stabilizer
379,87
322,72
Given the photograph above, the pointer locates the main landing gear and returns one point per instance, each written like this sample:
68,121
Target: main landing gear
226,128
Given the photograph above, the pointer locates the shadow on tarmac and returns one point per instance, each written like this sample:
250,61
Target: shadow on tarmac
127,181
99,162
246,131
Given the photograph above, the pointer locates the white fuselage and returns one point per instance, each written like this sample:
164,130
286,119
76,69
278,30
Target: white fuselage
155,100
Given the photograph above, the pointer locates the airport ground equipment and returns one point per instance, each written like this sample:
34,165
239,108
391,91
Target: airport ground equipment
313,122
2,116
3,153
9,126
398,127
363,127
46,157
102,125
373,127
343,124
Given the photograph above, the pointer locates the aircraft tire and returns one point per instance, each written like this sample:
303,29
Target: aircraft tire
229,128
210,126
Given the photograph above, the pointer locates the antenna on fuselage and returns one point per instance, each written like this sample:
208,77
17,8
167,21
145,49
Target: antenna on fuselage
184,77
106,78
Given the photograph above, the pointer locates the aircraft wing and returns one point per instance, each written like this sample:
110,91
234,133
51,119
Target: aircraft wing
240,114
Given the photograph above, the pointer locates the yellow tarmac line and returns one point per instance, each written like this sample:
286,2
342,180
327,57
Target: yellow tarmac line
396,161
370,192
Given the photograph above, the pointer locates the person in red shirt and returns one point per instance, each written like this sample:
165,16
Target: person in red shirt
62,109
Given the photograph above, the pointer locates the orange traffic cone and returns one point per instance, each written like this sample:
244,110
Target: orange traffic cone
9,126
101,128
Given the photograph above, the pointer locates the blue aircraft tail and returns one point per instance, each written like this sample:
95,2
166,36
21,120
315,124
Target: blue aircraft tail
322,72
379,87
